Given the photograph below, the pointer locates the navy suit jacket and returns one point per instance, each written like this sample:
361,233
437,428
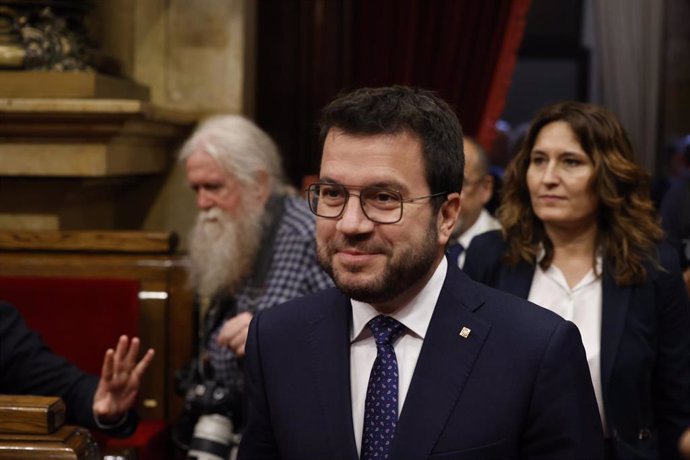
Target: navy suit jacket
517,387
28,367
645,347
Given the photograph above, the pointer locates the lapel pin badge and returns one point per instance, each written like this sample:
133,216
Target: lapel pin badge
465,332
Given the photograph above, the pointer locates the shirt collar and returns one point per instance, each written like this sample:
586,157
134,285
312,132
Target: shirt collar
415,316
481,225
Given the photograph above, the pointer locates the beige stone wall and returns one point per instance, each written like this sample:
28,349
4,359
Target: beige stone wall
193,55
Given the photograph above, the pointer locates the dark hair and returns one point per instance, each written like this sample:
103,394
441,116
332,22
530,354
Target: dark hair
397,109
627,229
482,166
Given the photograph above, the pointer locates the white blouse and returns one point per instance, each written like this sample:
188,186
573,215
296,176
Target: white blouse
583,306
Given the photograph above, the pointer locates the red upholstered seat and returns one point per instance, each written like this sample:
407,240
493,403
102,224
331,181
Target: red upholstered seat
80,318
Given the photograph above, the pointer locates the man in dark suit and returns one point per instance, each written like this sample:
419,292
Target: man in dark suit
408,358
29,367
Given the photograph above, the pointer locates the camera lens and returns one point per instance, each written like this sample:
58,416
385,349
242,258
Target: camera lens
212,438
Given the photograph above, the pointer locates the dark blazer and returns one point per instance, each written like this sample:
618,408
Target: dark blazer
645,347
28,367
518,386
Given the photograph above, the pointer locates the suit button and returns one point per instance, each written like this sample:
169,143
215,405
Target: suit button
643,434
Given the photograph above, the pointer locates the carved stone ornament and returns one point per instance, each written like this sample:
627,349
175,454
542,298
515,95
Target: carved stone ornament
44,35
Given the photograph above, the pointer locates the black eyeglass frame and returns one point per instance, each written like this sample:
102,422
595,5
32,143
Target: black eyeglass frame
309,192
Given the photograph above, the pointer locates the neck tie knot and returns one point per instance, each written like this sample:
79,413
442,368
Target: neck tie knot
385,329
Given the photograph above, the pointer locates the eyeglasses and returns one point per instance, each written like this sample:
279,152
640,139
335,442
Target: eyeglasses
379,204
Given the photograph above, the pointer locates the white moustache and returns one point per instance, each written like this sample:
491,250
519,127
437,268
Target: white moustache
211,215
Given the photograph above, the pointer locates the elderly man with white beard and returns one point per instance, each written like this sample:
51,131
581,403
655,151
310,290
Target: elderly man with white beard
253,243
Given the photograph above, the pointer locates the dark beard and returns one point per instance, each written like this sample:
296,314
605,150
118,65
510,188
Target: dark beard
402,272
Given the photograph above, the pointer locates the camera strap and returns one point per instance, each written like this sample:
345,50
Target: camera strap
275,209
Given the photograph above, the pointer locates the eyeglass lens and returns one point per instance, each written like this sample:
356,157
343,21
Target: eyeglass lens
378,204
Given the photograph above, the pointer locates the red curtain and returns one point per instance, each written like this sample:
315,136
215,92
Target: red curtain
465,50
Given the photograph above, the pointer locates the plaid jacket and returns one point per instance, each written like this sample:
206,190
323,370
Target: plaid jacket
293,272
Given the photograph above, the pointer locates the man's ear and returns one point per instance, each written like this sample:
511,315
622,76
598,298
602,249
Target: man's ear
487,188
263,187
448,216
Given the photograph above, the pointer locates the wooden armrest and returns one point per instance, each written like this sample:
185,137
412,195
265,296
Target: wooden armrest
31,414
32,427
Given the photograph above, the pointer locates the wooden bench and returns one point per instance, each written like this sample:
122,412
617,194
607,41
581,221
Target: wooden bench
81,274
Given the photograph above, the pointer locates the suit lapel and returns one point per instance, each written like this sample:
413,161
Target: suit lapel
445,362
615,305
329,343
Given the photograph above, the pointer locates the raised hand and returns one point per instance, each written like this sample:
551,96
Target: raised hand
120,378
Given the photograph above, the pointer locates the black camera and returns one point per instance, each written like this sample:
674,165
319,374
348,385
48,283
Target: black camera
213,411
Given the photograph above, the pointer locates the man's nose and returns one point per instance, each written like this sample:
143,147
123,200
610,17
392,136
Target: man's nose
204,201
353,220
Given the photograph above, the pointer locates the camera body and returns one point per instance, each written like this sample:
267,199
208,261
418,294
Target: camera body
213,410
208,397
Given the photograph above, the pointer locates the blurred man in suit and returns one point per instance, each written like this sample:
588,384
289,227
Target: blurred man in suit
477,190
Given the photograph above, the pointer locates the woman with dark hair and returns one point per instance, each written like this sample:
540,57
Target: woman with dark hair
580,237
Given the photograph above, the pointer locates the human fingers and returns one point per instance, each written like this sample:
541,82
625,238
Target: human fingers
239,350
133,351
108,368
238,341
232,327
143,364
121,351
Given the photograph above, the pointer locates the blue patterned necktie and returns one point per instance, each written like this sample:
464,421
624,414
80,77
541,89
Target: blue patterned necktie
454,250
381,406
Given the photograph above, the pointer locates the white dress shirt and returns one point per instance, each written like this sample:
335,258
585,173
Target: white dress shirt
582,305
415,316
484,223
